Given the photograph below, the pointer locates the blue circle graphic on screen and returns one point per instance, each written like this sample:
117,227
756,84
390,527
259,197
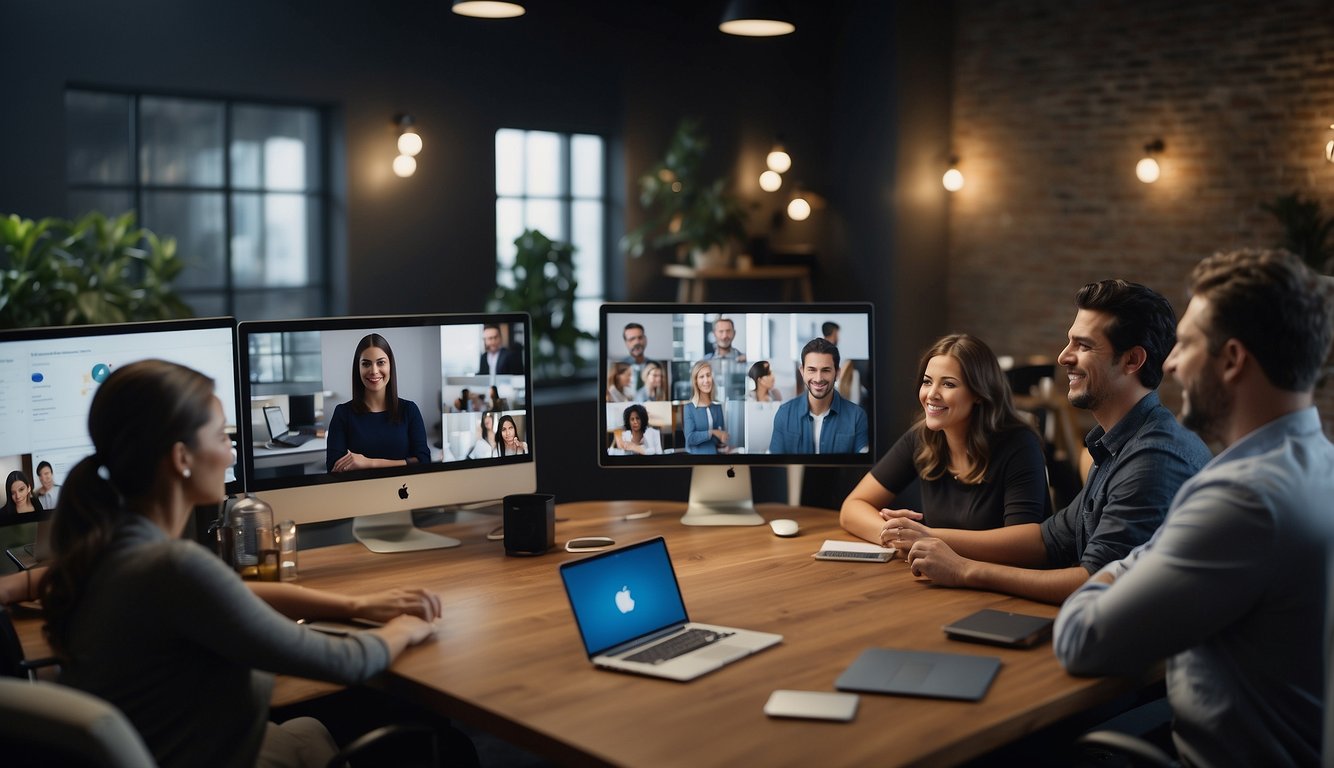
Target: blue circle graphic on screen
37,377
100,372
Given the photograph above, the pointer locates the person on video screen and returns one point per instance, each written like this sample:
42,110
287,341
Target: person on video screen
497,358
704,427
19,498
638,437
510,443
375,428
822,421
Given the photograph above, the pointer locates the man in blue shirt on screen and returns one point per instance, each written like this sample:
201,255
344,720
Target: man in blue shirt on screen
822,421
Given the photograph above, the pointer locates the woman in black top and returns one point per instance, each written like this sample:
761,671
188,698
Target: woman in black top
980,465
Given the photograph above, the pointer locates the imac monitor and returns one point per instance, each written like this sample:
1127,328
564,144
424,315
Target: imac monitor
723,387
48,377
462,431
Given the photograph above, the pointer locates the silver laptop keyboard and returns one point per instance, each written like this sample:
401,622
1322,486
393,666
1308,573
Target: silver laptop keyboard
674,646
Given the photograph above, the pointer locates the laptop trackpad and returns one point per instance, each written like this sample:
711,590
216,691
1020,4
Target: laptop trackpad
720,652
911,675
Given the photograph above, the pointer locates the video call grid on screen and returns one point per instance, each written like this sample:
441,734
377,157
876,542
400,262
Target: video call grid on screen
680,335
438,361
48,377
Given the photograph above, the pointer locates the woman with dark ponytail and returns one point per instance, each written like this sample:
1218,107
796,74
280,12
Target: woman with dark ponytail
164,629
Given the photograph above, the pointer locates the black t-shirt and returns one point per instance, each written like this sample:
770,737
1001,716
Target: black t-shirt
1013,492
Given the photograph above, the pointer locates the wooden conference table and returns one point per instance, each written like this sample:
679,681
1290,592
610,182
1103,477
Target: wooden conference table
508,657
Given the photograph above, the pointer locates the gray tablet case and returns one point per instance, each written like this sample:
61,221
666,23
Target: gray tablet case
920,673
1015,630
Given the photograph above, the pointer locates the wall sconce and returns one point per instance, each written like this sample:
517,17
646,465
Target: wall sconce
488,9
953,178
409,144
1329,148
1147,168
757,18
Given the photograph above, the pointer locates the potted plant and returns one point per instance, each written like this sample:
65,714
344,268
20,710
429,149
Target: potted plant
544,287
1306,231
698,217
94,269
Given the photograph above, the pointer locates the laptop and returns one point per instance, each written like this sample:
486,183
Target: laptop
628,607
279,434
920,673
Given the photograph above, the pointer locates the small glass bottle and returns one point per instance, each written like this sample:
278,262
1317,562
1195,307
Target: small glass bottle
251,520
286,534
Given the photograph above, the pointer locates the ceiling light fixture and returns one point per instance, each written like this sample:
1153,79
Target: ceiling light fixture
771,181
778,160
409,145
488,9
757,18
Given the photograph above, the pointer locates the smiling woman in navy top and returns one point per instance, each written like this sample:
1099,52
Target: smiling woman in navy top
375,428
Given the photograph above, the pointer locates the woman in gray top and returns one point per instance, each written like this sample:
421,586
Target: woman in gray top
158,625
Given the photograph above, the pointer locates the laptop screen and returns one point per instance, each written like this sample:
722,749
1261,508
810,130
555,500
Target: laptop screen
623,594
277,424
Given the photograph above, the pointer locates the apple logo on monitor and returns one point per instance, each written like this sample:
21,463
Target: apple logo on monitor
623,600
403,492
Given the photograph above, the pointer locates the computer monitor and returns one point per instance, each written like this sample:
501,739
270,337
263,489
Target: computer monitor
48,377
466,375
752,355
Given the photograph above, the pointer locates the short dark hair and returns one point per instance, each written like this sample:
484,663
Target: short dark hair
828,327
1141,317
819,347
46,464
628,326
1275,305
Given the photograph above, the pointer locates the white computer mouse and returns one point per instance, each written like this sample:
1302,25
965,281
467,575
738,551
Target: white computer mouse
784,527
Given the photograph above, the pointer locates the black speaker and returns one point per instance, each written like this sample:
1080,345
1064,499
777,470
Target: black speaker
530,523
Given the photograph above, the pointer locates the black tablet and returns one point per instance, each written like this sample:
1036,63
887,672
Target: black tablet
1016,630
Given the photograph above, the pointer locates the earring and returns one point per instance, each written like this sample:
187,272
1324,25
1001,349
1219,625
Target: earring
186,473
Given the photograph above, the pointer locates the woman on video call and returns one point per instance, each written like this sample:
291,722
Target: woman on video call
163,628
705,431
485,447
375,428
980,464
510,444
19,498
638,436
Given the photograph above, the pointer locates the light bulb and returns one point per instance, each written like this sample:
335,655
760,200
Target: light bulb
757,27
798,209
410,143
1147,170
488,9
1329,150
953,180
778,161
405,165
770,181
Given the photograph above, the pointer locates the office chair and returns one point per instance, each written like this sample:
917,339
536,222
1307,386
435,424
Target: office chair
12,661
377,739
1096,746
48,724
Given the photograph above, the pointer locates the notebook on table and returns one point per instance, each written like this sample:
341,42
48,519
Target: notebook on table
279,434
627,605
920,673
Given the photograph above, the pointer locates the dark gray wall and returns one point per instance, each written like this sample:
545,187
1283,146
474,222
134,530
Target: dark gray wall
860,96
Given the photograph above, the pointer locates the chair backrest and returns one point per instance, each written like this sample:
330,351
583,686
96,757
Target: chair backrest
49,724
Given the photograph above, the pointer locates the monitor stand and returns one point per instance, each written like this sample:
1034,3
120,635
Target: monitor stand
396,532
720,496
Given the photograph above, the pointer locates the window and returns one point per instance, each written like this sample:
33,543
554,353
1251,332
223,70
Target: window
555,183
240,186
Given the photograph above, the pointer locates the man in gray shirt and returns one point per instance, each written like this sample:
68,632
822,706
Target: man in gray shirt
1141,456
1231,589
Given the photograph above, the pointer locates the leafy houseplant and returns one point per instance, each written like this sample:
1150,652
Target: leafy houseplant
93,269
544,287
686,211
1306,232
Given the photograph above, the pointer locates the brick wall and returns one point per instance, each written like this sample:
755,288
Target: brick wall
1053,103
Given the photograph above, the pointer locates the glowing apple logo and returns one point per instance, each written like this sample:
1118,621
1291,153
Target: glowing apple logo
623,600
403,492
